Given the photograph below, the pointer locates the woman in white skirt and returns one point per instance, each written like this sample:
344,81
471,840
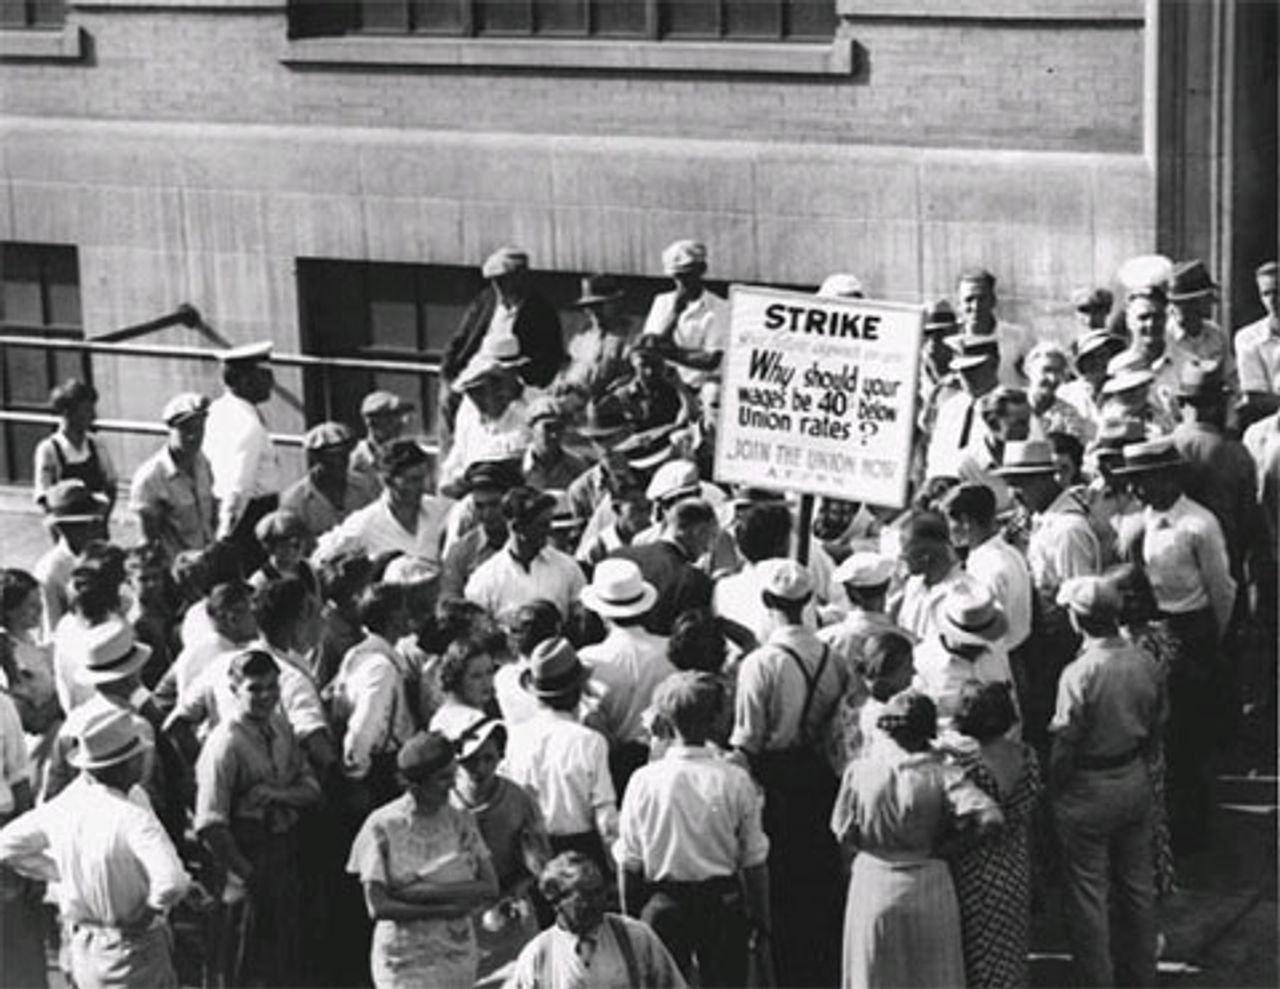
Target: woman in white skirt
899,809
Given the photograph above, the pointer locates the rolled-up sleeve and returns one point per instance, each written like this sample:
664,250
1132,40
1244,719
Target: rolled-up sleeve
215,783
169,881
372,694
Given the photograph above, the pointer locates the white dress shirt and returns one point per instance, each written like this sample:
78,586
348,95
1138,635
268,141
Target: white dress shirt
738,598
373,530
1062,544
1257,349
566,767
502,584
1001,569
690,816
238,447
629,664
922,604
559,959
1185,557
958,420
53,573
372,686
109,855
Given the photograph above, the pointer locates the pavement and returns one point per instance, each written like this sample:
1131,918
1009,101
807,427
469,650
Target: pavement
1221,925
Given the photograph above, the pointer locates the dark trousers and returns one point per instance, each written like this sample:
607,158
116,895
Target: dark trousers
252,555
705,920
1192,732
806,880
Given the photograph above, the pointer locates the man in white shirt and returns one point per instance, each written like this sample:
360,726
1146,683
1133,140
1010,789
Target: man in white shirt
691,320
976,298
959,429
629,664
118,873
403,519
1257,346
997,566
865,579
246,478
1180,546
527,568
934,569
564,764
968,648
172,492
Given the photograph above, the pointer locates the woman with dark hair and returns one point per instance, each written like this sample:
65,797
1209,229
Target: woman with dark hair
72,452
425,870
898,809
993,877
465,674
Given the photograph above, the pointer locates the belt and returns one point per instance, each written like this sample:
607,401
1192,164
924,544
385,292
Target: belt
1099,762
716,884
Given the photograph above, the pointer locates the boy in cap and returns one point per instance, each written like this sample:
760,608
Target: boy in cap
483,531
547,464
788,693
865,579
172,492
563,763
75,517
1257,346
245,472
508,309
1107,714
385,416
691,321
118,873
285,540
691,840
331,490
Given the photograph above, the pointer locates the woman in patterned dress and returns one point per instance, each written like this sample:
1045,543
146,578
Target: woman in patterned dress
425,870
993,877
896,809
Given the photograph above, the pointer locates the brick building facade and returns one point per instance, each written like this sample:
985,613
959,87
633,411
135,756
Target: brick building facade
217,151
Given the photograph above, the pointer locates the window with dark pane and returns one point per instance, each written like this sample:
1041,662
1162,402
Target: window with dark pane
619,18
39,297
568,17
813,20
513,17
690,18
441,16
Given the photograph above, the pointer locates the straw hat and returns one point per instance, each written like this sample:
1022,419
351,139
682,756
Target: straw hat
618,590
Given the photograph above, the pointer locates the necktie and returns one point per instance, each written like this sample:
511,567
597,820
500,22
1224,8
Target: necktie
269,739
585,949
967,428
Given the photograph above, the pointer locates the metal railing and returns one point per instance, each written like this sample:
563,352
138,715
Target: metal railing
116,343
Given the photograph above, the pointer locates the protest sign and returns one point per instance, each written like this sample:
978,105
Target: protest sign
819,395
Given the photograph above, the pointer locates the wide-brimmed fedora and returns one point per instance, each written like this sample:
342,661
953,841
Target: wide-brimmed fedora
1153,455
971,615
1026,457
618,590
1190,280
106,738
110,652
554,669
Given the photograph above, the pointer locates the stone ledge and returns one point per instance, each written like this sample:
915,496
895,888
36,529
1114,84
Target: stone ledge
834,58
1101,11
57,44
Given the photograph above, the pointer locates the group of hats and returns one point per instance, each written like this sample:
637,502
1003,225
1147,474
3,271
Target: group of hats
1035,457
110,654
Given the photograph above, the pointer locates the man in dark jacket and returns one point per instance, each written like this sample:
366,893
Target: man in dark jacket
509,307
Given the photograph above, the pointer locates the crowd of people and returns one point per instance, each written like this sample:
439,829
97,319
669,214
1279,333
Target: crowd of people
544,703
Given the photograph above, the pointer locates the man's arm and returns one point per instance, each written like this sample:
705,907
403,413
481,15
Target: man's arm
374,688
151,845
24,845
1210,550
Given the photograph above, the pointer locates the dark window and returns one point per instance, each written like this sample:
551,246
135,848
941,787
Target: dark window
744,20
39,297
32,13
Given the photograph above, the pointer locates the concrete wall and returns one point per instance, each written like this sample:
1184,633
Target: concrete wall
189,163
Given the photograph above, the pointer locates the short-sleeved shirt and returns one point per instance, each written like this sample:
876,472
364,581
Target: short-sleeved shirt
373,530
1108,699
566,767
771,691
238,755
398,846
921,607
702,325
502,584
629,664
691,816
317,512
181,501
1063,544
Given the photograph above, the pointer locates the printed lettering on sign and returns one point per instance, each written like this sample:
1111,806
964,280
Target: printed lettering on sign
819,395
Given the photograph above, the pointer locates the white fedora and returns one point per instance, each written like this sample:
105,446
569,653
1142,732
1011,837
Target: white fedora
619,590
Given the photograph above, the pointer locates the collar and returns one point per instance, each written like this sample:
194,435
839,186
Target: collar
679,750
1166,518
539,557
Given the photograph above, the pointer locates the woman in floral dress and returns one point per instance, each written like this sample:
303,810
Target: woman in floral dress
993,877
425,870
